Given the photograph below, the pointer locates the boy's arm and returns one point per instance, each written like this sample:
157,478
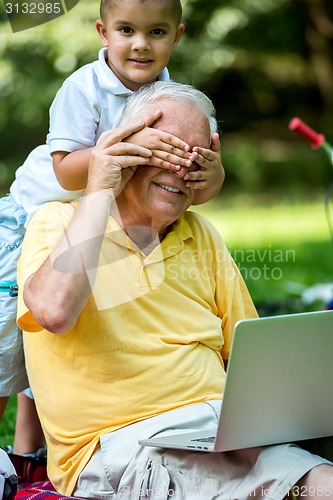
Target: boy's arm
209,179
71,169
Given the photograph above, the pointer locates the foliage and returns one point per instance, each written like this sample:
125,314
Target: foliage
261,62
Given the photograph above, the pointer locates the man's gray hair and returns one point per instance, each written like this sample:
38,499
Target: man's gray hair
136,104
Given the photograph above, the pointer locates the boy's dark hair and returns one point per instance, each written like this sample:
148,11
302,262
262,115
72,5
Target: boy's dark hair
106,6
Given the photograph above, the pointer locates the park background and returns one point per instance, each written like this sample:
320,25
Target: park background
262,62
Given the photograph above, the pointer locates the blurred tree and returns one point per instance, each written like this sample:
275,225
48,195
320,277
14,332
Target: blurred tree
261,61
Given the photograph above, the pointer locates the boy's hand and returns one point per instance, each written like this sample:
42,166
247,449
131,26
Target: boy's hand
211,175
168,151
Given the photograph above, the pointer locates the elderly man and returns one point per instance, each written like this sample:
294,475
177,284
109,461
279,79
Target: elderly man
146,296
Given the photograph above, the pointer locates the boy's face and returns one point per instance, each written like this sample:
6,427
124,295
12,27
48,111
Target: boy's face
140,37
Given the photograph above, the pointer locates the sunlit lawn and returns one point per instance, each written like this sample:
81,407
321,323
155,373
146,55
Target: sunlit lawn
8,424
280,249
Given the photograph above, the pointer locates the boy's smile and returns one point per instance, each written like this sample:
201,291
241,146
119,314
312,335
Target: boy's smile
140,38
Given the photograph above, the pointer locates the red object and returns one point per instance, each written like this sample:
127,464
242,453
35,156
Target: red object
33,483
311,135
39,491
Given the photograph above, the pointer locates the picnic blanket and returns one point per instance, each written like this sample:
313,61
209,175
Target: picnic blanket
33,483
41,490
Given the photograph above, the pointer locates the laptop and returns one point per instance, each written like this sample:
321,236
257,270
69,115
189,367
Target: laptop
279,386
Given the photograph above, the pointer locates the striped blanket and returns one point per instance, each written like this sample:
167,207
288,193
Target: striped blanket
42,490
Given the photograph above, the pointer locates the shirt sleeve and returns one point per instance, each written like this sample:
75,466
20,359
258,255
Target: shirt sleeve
74,118
238,305
43,234
233,299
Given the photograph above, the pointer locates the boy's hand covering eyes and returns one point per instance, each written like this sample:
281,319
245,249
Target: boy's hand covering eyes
168,151
211,170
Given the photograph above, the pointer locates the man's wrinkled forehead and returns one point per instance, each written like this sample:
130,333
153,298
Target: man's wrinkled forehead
184,120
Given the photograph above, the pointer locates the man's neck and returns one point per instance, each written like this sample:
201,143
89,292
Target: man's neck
144,236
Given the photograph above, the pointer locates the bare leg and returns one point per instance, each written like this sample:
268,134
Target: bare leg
316,484
3,404
28,431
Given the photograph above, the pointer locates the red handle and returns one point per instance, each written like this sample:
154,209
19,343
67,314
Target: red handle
311,135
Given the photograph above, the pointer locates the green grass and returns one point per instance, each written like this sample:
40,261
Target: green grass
7,426
280,249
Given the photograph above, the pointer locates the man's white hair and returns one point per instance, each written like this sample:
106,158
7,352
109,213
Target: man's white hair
136,104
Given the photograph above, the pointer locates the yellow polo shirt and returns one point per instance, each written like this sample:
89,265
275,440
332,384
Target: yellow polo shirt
149,340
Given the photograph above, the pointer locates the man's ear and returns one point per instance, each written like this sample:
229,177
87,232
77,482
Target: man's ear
101,30
179,34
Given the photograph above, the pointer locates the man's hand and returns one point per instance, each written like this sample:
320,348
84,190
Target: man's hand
113,162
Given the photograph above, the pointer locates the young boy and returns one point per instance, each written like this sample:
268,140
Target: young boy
138,38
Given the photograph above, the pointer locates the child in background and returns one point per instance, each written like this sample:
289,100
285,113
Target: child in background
138,38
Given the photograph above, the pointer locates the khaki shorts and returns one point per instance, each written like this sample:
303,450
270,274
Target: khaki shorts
122,469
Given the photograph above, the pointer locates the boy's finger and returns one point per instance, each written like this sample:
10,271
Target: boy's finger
158,162
196,184
173,141
172,158
204,154
196,176
215,144
174,150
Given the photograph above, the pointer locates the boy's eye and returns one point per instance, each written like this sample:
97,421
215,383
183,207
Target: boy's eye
126,30
158,31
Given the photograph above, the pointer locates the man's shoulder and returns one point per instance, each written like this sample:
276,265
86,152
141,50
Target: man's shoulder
51,213
198,222
203,232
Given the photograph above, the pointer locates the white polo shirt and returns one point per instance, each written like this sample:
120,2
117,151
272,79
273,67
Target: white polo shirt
89,102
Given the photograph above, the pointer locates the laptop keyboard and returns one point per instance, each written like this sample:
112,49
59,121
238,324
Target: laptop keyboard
210,439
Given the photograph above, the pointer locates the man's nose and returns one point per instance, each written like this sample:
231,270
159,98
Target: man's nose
140,43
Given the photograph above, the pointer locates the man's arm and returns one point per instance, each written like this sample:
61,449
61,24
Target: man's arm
58,291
